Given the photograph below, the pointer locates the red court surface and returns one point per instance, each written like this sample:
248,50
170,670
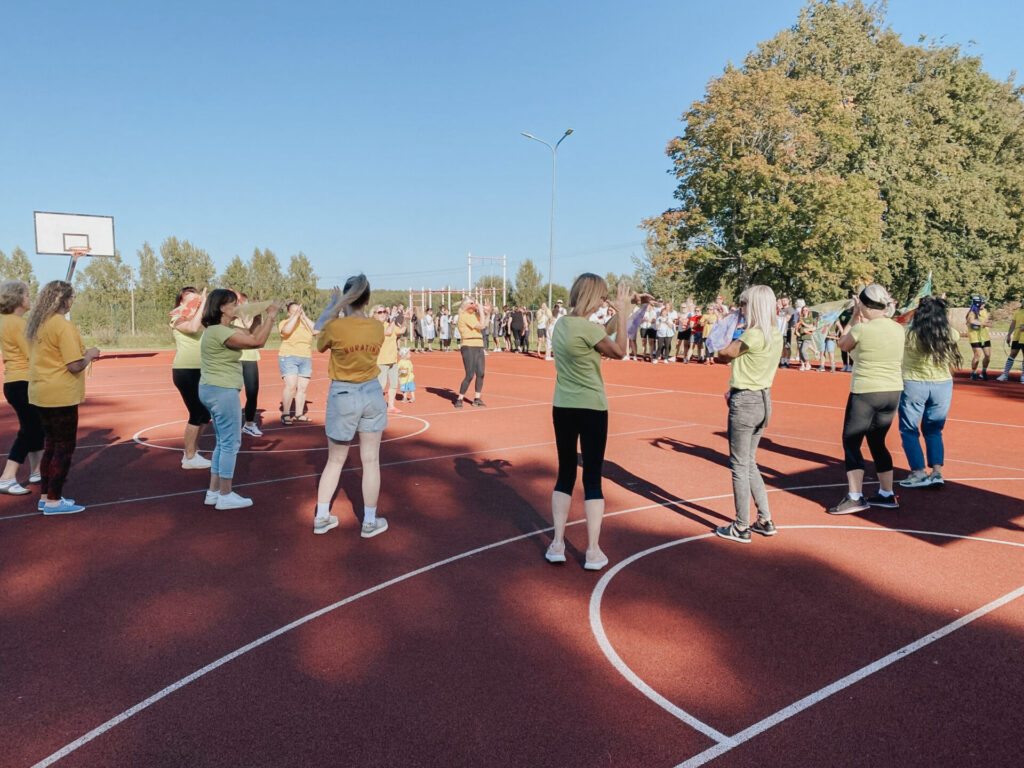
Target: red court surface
151,630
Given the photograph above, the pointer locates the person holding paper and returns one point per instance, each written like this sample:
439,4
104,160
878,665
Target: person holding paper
295,361
187,329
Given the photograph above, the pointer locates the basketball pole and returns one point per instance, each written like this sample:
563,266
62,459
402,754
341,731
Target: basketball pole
76,253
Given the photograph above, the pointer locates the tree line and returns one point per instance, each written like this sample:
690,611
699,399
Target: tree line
837,154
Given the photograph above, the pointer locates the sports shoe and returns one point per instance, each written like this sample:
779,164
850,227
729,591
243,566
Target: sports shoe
935,479
233,501
595,565
66,507
1002,377
211,498
848,506
984,375
369,530
196,462
324,524
764,527
458,402
733,533
42,503
975,376
35,477
252,430
554,557
478,403
885,502
13,488
917,479
392,409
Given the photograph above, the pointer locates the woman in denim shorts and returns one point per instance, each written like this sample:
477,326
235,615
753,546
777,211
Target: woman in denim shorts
295,360
355,400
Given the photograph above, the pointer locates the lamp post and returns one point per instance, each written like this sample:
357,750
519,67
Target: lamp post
551,244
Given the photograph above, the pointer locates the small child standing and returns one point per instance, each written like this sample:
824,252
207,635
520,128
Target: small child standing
406,377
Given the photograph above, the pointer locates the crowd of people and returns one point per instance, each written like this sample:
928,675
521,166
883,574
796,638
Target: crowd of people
899,371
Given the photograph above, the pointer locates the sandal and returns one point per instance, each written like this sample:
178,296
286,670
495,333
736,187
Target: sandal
304,419
287,420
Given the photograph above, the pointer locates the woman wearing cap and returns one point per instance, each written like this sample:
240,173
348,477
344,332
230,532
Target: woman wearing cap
929,354
222,378
187,330
876,344
28,443
978,323
580,408
295,361
755,361
56,386
472,322
355,402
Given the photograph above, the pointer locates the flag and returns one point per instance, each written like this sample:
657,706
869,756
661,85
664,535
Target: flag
907,311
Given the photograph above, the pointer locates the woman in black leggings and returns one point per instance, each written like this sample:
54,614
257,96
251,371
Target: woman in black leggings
876,344
28,443
580,408
472,322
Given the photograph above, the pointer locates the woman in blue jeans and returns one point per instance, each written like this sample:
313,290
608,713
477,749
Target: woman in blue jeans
930,353
220,381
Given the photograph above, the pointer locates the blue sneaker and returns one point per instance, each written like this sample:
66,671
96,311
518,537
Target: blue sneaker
63,502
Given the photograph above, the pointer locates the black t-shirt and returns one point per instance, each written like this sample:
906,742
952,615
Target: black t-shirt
517,322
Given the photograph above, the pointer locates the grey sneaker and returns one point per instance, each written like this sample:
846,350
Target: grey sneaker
324,524
370,530
733,533
764,527
917,479
936,479
848,506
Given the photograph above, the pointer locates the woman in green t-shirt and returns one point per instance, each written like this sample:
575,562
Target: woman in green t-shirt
187,329
220,382
580,408
755,359
929,354
876,344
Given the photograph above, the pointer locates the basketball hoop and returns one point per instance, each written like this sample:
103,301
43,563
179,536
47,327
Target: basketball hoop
76,253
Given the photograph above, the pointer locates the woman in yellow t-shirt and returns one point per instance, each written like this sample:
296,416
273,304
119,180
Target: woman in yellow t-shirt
928,356
1015,338
56,386
471,324
355,400
295,360
187,329
28,443
580,407
978,323
876,344
707,320
755,359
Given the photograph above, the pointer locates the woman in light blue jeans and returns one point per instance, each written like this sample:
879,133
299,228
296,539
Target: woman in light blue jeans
929,354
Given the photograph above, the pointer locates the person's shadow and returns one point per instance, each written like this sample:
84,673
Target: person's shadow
446,394
621,476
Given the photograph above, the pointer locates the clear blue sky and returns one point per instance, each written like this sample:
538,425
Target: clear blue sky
382,138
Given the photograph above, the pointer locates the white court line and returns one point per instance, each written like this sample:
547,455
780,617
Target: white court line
168,690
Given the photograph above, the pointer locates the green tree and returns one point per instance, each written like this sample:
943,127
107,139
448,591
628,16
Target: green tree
530,289
301,283
103,300
182,264
265,275
18,267
236,277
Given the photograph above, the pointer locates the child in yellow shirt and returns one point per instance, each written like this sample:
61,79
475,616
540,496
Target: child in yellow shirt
406,377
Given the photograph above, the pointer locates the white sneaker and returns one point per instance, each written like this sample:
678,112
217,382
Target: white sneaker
212,497
369,530
13,488
324,524
252,430
1002,377
196,462
233,501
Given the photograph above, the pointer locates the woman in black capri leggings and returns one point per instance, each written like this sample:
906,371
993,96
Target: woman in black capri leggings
472,321
580,409
876,344
187,328
28,443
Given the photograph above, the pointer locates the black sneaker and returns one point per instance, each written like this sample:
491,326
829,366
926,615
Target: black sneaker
479,403
733,533
886,502
458,403
764,527
848,506
984,375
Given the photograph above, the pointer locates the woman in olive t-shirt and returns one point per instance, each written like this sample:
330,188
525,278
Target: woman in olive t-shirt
755,359
580,408
187,329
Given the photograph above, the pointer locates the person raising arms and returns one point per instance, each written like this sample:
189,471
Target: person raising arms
471,324
295,361
187,330
1015,338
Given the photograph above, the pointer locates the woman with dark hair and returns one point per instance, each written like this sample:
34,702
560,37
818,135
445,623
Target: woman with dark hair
978,324
355,401
56,386
876,344
580,408
929,354
187,329
220,382
28,443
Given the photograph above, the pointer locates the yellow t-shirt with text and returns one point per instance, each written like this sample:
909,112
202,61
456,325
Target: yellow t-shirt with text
50,383
355,344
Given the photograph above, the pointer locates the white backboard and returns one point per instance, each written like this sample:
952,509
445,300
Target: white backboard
58,233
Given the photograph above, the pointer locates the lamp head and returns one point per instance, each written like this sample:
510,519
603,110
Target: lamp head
568,132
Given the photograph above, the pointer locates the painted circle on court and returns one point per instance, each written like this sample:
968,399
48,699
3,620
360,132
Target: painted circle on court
312,435
750,643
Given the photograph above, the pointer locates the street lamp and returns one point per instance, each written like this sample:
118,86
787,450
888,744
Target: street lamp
551,245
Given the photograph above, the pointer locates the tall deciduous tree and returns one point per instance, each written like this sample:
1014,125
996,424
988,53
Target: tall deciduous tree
182,264
530,289
300,283
236,276
265,275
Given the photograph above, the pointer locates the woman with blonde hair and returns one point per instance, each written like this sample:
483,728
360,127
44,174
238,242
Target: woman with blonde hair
543,321
580,407
471,324
755,359
187,329
28,443
387,359
56,386
355,400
